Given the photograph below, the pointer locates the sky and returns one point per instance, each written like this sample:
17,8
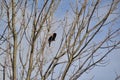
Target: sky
112,67
107,72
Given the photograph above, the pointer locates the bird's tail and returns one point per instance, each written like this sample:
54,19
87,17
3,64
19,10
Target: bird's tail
49,43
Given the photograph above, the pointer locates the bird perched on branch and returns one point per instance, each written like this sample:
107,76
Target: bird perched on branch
52,38
49,40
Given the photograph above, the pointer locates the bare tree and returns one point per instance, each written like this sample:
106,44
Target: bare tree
86,34
117,77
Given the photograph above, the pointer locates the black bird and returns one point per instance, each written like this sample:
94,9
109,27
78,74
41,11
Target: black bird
49,40
52,38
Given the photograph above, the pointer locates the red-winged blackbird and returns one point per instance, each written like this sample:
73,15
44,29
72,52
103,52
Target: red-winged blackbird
52,38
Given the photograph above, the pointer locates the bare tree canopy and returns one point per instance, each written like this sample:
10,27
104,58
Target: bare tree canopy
56,39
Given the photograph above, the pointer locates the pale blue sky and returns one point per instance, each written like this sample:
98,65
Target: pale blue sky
113,65
98,73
